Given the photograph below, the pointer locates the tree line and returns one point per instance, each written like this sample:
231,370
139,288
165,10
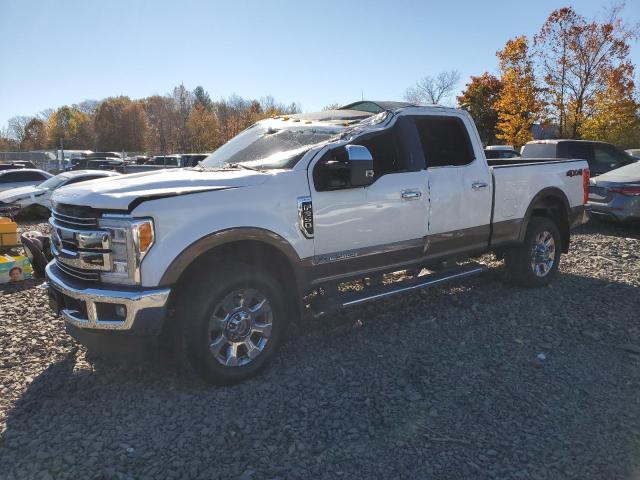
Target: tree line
182,121
574,78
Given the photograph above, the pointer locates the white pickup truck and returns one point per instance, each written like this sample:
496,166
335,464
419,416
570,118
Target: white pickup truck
218,258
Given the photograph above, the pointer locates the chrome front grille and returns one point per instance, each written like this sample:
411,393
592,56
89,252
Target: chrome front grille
80,248
78,273
71,216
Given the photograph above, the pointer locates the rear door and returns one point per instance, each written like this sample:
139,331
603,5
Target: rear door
459,182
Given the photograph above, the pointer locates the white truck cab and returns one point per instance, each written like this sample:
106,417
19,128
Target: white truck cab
218,258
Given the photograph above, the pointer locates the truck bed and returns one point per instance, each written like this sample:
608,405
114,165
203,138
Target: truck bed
510,162
516,184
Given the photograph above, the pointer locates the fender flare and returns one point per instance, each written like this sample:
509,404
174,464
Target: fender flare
549,192
201,246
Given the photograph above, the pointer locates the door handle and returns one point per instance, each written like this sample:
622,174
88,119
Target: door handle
410,194
479,185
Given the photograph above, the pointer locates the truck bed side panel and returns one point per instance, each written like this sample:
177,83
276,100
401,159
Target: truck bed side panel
516,185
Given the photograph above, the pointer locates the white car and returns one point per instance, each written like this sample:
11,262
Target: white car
16,199
292,206
22,177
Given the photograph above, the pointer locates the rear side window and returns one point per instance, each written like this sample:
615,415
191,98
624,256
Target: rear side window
580,150
22,177
540,150
33,176
445,141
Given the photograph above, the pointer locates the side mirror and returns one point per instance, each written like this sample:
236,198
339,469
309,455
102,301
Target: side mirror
360,165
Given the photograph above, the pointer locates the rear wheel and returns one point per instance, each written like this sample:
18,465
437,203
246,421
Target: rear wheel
534,263
232,321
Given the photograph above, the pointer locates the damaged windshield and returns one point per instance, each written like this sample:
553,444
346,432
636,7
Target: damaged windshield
263,146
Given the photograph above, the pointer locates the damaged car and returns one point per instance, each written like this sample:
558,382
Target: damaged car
36,199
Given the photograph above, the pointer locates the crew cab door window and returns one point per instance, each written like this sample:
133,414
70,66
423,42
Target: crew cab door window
459,185
445,141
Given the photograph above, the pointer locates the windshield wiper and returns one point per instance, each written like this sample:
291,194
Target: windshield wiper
246,167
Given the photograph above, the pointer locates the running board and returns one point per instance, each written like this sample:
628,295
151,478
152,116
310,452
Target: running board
323,305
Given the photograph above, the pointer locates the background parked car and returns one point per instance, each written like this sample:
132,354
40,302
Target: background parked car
168,161
616,194
23,177
500,151
602,157
109,163
38,197
16,165
634,152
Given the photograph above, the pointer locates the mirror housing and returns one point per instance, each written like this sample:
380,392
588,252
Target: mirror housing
361,171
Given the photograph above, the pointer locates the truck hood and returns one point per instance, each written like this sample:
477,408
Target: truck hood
20,193
127,191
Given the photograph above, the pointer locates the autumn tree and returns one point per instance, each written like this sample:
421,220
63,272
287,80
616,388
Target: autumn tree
35,135
70,127
433,90
7,144
87,106
120,124
161,136
479,99
614,110
134,127
16,128
202,130
576,57
518,104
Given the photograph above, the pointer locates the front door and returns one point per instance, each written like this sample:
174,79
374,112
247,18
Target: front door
380,225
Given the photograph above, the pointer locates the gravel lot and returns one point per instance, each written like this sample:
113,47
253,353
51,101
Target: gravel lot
476,380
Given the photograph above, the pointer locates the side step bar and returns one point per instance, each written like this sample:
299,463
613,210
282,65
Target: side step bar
326,305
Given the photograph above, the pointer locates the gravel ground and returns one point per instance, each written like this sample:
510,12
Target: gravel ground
477,380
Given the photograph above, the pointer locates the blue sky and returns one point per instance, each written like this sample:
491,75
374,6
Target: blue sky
55,52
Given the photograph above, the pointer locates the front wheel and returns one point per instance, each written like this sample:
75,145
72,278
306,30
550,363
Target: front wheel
534,263
232,322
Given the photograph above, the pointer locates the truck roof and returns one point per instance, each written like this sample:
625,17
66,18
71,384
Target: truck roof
358,111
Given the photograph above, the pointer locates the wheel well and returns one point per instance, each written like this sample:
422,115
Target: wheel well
251,252
555,209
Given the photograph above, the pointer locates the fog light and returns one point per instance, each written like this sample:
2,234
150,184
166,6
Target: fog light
121,311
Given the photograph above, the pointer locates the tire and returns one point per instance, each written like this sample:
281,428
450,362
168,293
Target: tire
231,320
534,263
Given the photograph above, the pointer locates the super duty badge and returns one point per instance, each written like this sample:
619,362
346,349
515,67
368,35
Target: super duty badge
305,216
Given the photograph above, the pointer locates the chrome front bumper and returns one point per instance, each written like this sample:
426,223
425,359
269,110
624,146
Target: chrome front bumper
92,308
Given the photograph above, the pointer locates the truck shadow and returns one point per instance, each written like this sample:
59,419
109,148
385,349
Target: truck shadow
471,368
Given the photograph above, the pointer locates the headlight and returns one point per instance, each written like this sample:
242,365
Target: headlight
131,239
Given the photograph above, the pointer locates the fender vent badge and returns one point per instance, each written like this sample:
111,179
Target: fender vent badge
305,216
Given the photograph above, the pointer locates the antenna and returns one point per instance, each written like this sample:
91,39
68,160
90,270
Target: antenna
361,94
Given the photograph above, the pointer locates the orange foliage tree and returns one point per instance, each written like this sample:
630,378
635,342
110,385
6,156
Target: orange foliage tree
479,98
576,58
518,104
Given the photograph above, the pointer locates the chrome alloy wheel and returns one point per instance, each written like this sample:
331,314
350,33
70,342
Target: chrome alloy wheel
543,254
240,327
